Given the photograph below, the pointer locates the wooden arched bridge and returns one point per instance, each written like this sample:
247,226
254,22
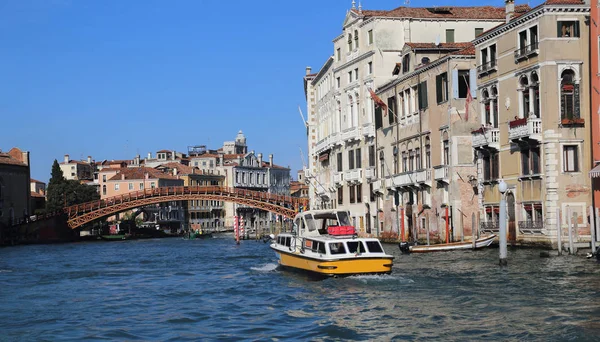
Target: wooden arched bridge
81,214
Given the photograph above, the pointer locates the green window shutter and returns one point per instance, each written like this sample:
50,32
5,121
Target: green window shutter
378,119
422,89
438,88
576,29
559,29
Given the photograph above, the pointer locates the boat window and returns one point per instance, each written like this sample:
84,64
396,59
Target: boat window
298,225
374,247
308,244
288,240
279,240
320,247
310,223
337,248
356,247
343,218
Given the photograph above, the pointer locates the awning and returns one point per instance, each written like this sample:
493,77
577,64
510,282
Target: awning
324,156
595,173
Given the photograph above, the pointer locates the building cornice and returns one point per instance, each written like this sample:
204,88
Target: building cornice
322,71
534,13
357,59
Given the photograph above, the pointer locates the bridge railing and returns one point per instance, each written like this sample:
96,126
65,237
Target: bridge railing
183,190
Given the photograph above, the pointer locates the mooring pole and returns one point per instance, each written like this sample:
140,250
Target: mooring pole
595,229
447,226
558,231
502,187
569,221
592,229
473,226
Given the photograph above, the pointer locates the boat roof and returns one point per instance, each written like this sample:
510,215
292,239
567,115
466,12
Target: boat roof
321,213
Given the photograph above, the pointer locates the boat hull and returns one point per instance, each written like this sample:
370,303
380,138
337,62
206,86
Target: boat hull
480,243
338,267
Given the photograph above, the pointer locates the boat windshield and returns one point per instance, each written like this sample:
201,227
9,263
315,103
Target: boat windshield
310,223
343,218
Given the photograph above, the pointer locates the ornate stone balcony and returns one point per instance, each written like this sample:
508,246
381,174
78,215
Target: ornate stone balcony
486,138
338,178
525,128
404,179
370,173
350,134
368,130
353,176
378,186
423,176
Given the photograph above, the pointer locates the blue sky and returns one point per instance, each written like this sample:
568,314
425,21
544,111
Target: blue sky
113,78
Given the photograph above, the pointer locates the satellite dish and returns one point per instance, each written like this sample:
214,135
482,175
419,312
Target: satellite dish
437,40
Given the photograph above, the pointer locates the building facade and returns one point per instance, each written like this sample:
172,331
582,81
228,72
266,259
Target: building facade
341,117
79,170
533,83
15,194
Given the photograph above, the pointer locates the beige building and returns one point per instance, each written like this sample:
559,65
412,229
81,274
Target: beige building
14,188
423,149
533,90
340,111
78,169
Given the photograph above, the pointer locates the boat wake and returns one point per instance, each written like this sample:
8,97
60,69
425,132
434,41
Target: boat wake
370,278
265,268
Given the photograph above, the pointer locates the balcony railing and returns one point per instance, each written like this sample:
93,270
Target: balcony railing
487,68
370,173
423,176
368,130
486,137
531,227
322,145
389,183
526,51
404,179
338,178
440,173
377,186
525,128
352,133
489,227
354,176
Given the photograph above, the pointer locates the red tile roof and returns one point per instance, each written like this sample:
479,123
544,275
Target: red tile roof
36,181
181,168
140,173
564,2
467,51
442,46
6,159
446,12
35,194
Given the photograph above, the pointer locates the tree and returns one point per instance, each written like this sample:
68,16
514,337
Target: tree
55,190
62,192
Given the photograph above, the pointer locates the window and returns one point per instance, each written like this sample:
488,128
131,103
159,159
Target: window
463,83
339,162
152,185
567,95
356,39
349,43
404,161
349,76
359,193
337,83
350,159
422,92
340,192
337,248
130,186
490,166
356,74
567,29
450,36
351,189
141,186
371,193
441,83
570,158
530,161
104,189
446,151
104,178
378,118
406,63
371,155
427,153
391,103
116,186
370,35
338,53
411,160
478,31
417,158
370,67
358,159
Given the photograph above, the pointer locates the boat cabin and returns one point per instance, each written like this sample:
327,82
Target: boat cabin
334,246
323,222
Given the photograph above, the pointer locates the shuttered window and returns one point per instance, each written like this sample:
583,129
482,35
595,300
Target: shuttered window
422,93
441,87
378,118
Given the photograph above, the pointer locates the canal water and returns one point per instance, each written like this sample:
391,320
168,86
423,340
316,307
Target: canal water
199,290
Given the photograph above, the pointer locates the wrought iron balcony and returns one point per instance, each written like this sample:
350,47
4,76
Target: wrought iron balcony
490,226
440,173
486,137
487,68
531,227
525,128
526,51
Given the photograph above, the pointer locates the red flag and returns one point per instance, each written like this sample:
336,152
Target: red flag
378,101
468,102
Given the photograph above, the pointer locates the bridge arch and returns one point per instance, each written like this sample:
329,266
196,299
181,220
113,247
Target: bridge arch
81,214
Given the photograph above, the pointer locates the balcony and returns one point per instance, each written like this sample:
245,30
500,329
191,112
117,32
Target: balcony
370,173
531,227
322,145
377,186
487,68
525,128
350,134
353,176
486,137
526,52
389,183
336,139
489,227
368,130
423,177
338,178
440,173
404,179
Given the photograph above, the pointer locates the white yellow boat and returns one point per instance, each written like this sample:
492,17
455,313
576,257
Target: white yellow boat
325,243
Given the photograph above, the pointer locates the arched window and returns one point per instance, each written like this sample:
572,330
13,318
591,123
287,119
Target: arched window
567,95
427,152
446,149
487,112
494,106
535,91
104,190
406,63
349,42
524,83
356,39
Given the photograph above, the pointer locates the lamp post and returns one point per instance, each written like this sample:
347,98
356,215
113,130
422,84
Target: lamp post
502,187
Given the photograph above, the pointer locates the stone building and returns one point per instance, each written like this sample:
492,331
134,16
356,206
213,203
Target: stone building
341,118
423,148
533,86
80,170
15,194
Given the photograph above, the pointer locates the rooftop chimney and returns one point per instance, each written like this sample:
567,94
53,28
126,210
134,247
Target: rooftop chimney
122,176
149,155
89,159
174,171
260,160
173,155
270,160
66,158
510,9
308,70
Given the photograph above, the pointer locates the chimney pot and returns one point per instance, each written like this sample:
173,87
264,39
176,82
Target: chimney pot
149,155
510,9
271,160
89,159
308,70
66,158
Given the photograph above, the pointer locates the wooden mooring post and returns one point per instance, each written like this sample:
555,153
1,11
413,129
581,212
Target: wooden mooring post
570,227
558,231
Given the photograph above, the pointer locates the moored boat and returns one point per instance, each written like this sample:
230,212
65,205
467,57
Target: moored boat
325,243
443,247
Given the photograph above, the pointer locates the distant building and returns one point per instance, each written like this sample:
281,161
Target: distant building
78,169
299,188
15,187
38,195
163,156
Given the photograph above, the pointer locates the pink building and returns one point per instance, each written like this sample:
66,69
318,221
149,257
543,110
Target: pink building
124,180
